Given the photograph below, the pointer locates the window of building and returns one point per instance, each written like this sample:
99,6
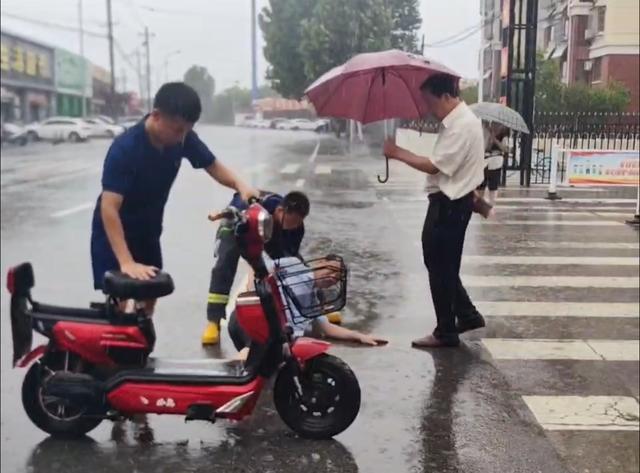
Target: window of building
547,36
600,19
596,70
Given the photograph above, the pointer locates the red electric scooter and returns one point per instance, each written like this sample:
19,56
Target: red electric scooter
96,365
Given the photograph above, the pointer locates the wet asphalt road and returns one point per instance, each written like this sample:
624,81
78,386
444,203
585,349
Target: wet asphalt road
458,410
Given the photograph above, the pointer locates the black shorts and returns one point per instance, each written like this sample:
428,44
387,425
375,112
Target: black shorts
491,178
144,250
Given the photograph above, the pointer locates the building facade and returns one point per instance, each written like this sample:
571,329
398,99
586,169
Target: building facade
595,42
73,84
101,93
490,50
28,79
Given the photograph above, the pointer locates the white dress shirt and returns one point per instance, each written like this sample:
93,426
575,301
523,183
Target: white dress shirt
458,154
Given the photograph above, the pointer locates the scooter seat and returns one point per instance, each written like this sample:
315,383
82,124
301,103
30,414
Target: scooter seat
119,285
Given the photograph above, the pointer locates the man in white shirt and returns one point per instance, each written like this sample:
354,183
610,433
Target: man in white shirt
454,170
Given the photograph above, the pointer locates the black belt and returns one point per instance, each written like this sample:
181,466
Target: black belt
440,197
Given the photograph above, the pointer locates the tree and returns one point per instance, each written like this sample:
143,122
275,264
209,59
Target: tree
554,96
204,84
406,21
305,38
549,89
337,30
614,98
470,94
281,25
234,100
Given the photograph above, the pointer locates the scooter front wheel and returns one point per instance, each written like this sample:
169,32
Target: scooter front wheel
330,399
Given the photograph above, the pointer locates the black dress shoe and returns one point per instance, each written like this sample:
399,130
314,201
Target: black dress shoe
471,323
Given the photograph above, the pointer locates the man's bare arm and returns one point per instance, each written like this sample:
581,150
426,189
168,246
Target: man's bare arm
228,178
420,163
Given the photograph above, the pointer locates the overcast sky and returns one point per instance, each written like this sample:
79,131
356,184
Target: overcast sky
212,33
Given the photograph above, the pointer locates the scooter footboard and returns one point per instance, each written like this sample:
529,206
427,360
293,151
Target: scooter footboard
225,400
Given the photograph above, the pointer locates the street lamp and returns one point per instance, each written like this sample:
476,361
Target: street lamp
166,63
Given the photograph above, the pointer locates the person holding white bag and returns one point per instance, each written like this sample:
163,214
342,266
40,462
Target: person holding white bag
495,148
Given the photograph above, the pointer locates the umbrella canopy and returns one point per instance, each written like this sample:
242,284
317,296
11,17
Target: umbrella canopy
498,113
375,86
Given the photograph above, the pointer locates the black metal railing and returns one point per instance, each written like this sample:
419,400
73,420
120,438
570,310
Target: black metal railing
614,131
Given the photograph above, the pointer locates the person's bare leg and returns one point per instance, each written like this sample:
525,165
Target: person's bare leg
493,197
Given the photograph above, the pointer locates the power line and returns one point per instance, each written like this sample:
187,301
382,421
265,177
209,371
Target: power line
50,24
133,8
125,57
470,31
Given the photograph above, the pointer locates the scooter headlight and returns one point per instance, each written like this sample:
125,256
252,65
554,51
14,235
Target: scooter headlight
265,225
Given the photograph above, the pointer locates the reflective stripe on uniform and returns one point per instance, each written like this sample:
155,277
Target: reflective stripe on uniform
218,298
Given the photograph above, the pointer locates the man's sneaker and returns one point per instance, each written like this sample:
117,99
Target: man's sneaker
472,323
335,318
211,334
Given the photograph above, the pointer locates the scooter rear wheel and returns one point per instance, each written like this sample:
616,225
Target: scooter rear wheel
54,419
330,398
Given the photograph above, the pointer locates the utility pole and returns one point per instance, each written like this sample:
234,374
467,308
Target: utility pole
254,72
84,78
112,108
139,71
123,83
146,44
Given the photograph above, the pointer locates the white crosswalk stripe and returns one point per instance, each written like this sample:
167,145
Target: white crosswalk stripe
551,260
565,349
290,169
585,412
559,309
551,281
323,169
537,223
595,245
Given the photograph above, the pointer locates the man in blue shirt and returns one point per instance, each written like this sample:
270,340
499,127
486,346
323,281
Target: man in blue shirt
288,214
138,173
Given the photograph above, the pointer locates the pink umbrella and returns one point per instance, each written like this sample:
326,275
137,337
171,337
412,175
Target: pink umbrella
375,86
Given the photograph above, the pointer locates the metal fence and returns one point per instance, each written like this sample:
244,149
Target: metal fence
614,131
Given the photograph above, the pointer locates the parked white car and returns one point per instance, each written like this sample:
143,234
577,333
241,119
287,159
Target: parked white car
302,124
60,129
128,122
100,128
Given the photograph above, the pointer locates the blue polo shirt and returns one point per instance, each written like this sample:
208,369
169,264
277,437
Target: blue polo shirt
143,175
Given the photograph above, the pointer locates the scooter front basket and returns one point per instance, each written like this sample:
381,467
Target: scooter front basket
313,288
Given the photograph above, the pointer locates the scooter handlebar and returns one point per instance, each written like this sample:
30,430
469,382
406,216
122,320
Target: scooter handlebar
230,211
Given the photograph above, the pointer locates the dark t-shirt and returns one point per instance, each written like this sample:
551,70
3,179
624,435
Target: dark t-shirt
143,175
283,243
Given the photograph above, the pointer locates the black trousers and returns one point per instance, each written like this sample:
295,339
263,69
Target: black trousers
223,273
442,242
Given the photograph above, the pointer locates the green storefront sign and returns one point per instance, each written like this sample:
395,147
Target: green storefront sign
73,81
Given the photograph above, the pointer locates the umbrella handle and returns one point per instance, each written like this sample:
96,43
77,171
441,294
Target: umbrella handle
386,177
